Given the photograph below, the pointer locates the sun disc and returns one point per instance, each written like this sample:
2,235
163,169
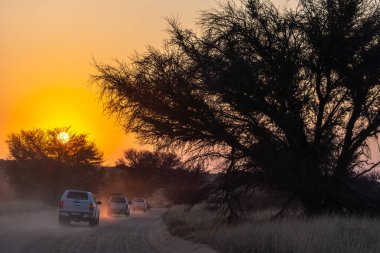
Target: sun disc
63,137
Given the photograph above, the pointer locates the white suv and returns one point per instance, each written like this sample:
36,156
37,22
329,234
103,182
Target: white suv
78,206
139,204
118,204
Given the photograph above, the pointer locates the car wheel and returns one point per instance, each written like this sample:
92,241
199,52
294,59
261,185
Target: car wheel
63,220
93,222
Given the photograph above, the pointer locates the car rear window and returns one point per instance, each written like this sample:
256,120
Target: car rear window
117,200
77,195
138,200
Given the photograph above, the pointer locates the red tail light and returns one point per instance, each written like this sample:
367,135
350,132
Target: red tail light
61,204
91,207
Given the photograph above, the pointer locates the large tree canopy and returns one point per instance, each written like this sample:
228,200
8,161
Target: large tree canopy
288,98
44,166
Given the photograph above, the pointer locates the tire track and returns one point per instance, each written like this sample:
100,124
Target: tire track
40,232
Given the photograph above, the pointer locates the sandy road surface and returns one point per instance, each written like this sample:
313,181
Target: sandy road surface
40,232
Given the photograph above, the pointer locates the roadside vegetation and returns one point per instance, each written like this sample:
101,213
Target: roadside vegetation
259,234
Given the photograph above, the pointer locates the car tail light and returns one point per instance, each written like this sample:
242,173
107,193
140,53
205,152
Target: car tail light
91,207
61,204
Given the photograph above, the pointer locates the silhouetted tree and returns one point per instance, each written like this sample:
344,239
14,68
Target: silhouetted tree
147,171
286,98
149,163
44,166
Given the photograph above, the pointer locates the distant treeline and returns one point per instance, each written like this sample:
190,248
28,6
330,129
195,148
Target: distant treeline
43,167
142,173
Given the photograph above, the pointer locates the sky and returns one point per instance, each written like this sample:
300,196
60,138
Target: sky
47,49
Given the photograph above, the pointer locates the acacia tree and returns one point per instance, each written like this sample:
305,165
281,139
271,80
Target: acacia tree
287,98
148,171
147,162
44,166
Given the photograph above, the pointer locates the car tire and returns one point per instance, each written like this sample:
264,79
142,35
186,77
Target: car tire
93,222
63,220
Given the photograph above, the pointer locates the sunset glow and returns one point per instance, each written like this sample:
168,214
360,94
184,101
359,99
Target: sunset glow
47,50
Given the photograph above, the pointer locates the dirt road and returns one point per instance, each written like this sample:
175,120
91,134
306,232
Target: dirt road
140,233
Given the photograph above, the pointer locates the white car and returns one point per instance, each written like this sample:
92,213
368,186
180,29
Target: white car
139,204
118,204
76,205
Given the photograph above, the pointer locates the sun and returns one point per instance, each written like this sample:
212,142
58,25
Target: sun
63,137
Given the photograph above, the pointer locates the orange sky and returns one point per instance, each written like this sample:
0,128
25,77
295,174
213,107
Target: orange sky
46,50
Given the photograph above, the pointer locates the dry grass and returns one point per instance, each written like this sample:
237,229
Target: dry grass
319,234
